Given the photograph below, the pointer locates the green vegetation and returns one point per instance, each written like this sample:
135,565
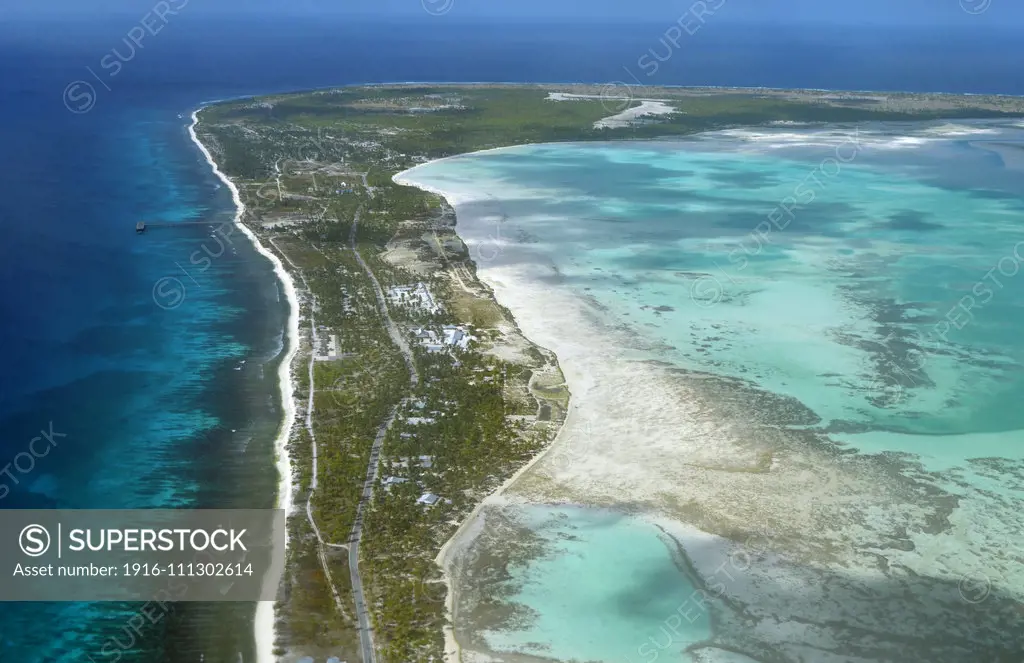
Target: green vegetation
308,166
383,130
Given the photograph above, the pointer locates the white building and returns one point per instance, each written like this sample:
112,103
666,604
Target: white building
330,352
418,421
430,499
425,462
456,336
414,296
452,336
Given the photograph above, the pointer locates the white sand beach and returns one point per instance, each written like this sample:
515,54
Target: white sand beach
647,108
629,422
264,622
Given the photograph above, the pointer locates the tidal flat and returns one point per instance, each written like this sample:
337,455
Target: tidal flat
803,337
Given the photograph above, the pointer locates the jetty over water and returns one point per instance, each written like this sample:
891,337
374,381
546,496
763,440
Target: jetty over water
141,226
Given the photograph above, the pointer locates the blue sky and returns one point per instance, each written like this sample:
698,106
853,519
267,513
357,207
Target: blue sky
1005,13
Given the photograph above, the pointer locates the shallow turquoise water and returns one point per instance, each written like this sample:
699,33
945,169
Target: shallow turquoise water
872,273
592,591
889,295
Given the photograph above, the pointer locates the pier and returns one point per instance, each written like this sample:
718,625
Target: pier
142,226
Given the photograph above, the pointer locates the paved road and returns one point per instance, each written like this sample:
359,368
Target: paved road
362,614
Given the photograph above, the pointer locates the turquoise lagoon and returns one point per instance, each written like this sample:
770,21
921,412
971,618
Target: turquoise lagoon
889,298
591,591
872,273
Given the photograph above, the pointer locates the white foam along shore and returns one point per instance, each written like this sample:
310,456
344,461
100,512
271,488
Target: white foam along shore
264,621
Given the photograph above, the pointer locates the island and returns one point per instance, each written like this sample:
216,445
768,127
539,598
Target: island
416,394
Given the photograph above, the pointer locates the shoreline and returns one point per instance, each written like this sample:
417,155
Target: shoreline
405,178
674,446
571,446
471,525
263,622
760,525
566,441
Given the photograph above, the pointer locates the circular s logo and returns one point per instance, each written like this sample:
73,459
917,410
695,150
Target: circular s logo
168,293
975,6
974,587
34,540
437,7
79,97
706,291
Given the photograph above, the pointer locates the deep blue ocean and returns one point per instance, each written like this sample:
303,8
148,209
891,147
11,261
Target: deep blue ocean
152,402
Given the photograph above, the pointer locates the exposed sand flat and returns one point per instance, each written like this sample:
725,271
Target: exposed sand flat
638,434
647,108
566,96
705,456
796,539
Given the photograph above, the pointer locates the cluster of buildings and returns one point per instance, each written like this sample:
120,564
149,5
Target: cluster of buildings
346,298
416,296
327,346
419,298
418,416
450,336
426,462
